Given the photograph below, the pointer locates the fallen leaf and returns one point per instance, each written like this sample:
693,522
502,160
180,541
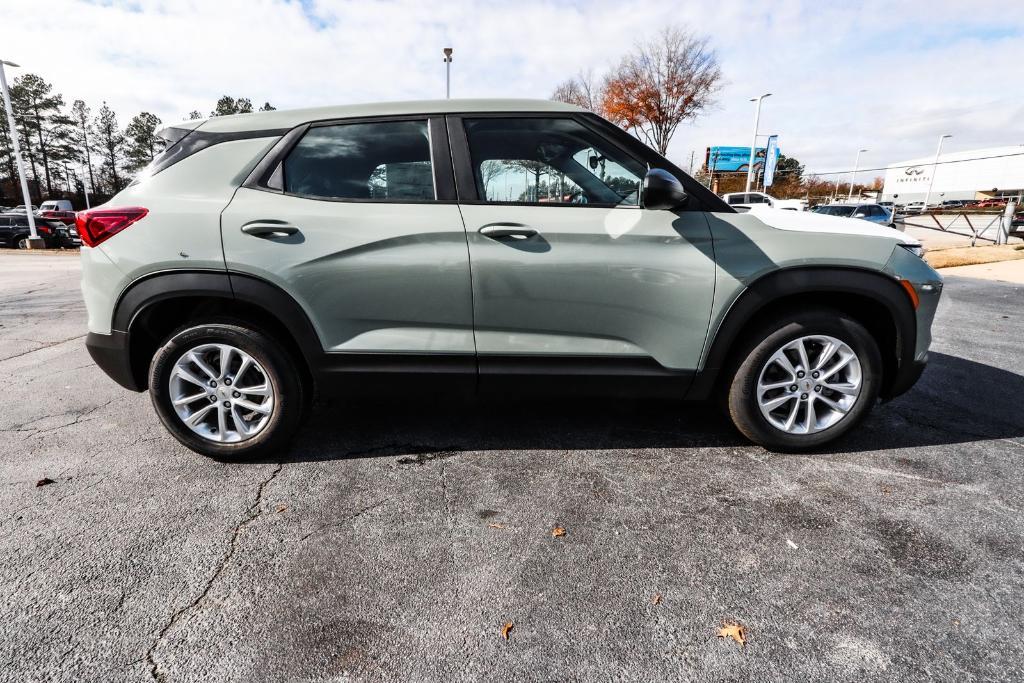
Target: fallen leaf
282,507
656,600
45,481
558,531
734,631
495,525
886,490
506,629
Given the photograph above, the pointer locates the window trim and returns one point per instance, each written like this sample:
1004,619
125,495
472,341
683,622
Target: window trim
263,174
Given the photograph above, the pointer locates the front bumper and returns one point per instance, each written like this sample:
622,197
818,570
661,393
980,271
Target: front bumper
110,352
905,378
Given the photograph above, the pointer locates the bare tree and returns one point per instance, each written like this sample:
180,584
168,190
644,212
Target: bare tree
583,90
662,83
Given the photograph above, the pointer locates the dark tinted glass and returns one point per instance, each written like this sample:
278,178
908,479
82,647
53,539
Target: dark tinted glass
371,161
549,161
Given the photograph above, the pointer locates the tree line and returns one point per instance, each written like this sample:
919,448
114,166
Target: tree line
70,149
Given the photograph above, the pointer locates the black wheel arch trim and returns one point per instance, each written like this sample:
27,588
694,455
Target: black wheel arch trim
787,282
177,284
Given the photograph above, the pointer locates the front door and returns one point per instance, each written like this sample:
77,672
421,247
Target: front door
569,273
353,228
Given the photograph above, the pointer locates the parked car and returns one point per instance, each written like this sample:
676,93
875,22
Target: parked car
58,209
953,204
20,208
990,204
748,199
875,213
14,232
283,255
913,208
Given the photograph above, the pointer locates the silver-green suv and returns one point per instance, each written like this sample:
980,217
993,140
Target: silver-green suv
481,245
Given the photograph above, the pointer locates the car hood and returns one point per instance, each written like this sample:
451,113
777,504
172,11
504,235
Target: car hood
808,221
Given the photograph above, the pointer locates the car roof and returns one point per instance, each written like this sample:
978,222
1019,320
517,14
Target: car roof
289,118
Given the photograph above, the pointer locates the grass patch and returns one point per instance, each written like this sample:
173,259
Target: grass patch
970,256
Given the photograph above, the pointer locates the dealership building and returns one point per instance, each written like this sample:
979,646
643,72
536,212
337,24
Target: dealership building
997,172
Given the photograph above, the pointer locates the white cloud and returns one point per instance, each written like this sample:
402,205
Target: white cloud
886,76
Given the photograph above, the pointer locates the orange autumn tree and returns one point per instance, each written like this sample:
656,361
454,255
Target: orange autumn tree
662,83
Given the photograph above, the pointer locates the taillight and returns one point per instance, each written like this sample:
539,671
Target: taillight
96,226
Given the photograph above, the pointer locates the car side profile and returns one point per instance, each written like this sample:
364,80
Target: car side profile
481,246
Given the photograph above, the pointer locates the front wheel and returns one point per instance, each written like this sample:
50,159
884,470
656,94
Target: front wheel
805,380
226,390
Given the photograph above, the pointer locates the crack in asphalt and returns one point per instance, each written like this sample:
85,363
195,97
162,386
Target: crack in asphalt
346,520
251,514
44,346
79,415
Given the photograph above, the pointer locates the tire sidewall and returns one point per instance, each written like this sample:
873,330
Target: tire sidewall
742,395
280,368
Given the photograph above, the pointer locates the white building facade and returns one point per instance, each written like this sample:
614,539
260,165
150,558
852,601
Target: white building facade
997,172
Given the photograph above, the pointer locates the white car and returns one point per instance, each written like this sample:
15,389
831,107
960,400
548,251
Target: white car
749,199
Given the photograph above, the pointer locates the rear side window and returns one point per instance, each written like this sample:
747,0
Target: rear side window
385,161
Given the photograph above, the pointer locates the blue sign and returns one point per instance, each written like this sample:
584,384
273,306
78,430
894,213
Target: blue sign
771,159
726,159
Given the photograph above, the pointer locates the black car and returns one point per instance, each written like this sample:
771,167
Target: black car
14,232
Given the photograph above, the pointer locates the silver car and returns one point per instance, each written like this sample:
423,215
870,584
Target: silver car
485,246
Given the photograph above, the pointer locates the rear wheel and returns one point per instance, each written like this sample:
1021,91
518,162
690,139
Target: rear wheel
805,380
226,390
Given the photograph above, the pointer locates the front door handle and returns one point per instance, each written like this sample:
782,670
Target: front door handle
269,229
502,230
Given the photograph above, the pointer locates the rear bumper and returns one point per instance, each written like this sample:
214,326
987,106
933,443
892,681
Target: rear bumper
110,352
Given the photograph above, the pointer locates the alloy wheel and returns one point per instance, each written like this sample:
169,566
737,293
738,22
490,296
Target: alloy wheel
809,384
221,393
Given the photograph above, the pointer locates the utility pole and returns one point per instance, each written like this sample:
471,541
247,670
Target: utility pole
935,168
33,241
753,141
447,73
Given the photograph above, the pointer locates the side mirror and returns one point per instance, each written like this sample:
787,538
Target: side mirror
662,191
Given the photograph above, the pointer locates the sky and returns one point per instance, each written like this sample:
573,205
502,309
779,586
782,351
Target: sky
886,76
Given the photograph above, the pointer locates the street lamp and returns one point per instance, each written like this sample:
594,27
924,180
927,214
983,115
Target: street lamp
935,167
33,241
447,72
856,167
753,142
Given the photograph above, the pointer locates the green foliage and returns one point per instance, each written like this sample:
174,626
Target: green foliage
142,142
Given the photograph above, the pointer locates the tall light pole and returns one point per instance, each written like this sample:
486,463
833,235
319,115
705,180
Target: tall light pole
33,242
853,178
753,141
447,73
935,167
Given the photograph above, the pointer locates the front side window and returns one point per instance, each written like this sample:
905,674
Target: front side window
385,161
549,161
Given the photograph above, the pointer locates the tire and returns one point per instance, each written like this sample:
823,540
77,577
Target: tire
835,411
21,242
273,416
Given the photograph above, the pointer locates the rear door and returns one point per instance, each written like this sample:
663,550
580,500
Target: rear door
357,221
570,275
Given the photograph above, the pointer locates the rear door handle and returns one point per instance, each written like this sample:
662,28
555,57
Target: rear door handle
502,230
269,229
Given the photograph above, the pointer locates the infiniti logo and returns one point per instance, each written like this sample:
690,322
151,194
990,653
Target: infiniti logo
914,170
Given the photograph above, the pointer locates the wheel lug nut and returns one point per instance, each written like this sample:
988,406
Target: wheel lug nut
817,387
213,399
793,388
236,394
815,374
227,404
228,382
213,382
803,397
800,374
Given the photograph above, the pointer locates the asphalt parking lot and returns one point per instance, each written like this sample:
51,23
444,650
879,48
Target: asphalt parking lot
395,541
